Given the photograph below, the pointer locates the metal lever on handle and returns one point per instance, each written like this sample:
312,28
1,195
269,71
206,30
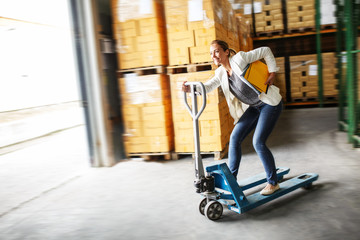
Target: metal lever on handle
195,114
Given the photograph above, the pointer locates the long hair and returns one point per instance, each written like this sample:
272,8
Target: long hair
224,46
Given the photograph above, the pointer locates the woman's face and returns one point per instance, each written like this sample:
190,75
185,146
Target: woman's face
218,55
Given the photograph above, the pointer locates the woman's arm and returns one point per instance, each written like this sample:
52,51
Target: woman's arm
259,53
210,85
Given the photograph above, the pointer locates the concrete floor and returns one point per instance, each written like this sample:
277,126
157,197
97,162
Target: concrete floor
48,191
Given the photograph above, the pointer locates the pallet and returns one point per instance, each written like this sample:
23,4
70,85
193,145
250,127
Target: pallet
218,155
153,156
304,99
193,67
143,70
328,26
331,98
270,33
301,30
314,99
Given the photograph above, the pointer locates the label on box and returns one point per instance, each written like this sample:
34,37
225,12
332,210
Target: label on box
247,9
145,7
257,7
195,8
131,82
313,70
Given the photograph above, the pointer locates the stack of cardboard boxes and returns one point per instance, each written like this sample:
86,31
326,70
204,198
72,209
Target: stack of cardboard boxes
140,33
268,16
300,14
304,76
330,81
215,123
191,27
146,106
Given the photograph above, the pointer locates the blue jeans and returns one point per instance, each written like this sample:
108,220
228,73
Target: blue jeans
263,119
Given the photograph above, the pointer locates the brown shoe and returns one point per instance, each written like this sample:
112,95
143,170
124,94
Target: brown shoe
269,189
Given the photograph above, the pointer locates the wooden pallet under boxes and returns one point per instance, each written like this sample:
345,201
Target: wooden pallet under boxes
268,16
146,108
140,33
192,25
215,123
300,13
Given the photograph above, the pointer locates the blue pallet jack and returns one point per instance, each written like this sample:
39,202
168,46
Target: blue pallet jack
218,186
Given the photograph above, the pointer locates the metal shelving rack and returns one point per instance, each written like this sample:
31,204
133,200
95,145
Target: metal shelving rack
347,14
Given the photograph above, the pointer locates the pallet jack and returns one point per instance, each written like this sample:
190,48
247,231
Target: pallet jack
218,186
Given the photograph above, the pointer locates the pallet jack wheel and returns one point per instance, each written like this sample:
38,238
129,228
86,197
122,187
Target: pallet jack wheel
308,187
213,210
202,205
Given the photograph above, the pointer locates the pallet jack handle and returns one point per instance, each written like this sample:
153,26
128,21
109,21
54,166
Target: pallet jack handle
195,114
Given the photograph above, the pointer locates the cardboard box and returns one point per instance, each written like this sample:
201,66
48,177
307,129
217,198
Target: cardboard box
161,143
200,54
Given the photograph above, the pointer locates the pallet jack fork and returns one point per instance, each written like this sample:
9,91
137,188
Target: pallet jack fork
219,187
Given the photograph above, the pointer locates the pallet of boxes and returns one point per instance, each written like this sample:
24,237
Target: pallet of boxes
268,17
300,15
305,81
191,27
143,83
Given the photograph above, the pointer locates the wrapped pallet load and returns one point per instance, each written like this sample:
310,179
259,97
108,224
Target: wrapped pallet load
139,28
146,106
191,27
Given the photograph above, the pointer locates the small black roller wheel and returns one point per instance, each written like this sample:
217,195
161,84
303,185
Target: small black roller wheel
308,187
213,210
202,205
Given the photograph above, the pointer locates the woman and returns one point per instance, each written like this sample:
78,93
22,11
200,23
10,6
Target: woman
249,109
